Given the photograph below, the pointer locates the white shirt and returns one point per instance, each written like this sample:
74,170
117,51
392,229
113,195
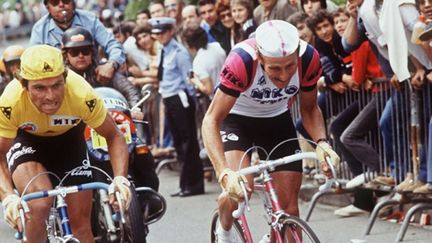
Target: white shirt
208,62
140,57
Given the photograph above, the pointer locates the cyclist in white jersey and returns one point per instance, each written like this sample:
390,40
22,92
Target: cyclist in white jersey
259,81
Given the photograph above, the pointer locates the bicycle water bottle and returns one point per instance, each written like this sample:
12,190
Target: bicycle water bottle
418,28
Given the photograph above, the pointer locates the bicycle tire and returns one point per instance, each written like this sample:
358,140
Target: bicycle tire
236,227
136,230
290,228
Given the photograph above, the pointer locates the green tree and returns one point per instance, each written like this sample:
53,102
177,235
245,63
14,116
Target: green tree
134,6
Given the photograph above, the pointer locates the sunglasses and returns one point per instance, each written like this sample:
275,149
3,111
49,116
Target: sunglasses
56,2
74,52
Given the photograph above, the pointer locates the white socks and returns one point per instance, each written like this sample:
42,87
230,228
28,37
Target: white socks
224,236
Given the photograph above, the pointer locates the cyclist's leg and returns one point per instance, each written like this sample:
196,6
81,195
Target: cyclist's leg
225,203
235,139
79,210
39,209
287,185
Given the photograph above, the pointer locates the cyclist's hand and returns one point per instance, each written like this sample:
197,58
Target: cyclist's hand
11,205
324,149
120,184
230,182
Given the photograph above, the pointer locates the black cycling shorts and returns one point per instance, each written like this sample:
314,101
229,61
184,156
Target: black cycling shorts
58,154
242,132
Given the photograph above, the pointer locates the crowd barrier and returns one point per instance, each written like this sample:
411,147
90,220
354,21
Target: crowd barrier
409,124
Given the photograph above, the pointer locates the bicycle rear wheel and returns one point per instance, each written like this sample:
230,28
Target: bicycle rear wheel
296,230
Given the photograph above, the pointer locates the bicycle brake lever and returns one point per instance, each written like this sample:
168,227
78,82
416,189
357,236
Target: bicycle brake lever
120,204
21,235
333,170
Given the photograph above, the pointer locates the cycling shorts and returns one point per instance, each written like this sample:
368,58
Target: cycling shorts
58,154
242,132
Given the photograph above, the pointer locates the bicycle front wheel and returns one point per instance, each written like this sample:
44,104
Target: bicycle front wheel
238,232
295,230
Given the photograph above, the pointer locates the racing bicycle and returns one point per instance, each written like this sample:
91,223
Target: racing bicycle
285,227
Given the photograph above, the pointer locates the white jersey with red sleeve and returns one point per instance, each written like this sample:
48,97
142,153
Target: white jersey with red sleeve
242,76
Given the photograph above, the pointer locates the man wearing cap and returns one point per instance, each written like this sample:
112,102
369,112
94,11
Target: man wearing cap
42,118
258,82
177,93
62,15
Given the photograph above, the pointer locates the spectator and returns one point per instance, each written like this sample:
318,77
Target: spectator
61,16
298,19
207,10
174,9
244,25
157,9
148,48
208,58
273,9
310,7
123,31
190,15
224,14
142,17
176,92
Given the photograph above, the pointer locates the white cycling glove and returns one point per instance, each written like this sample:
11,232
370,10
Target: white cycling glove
121,184
324,149
11,205
232,185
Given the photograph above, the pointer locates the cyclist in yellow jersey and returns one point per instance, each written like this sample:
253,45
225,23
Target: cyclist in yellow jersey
42,116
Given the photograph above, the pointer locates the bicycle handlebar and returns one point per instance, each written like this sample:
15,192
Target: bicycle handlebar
63,191
271,164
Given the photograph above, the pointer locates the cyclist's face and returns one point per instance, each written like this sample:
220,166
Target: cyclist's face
47,94
280,69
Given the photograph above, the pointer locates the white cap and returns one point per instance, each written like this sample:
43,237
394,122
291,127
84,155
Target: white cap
278,38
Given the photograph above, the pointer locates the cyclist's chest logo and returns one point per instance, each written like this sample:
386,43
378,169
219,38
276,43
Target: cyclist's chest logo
7,111
63,120
28,127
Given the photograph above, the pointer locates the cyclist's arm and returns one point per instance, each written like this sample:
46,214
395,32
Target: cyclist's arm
6,185
117,147
216,113
311,114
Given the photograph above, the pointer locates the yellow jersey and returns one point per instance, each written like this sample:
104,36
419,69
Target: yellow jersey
80,103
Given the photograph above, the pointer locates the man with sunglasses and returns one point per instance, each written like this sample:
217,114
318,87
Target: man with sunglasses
62,15
77,47
251,107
